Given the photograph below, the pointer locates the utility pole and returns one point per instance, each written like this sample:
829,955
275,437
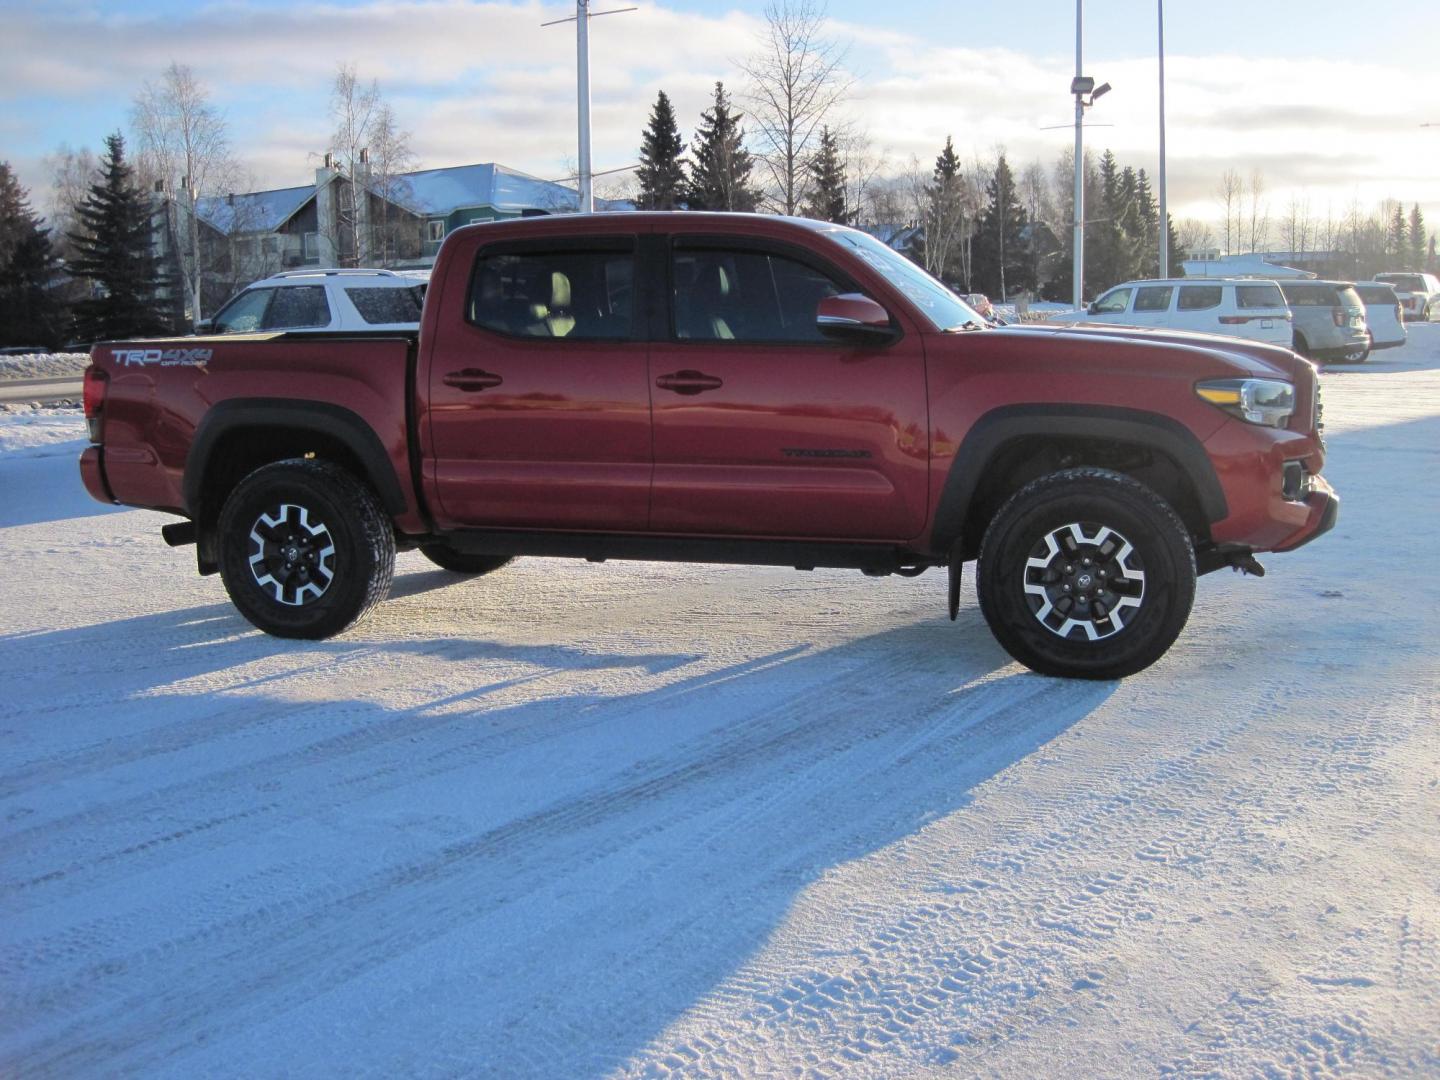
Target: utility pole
581,19
1078,271
1164,214
1086,94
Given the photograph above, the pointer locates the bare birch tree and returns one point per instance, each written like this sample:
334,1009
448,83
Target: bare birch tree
371,152
1229,193
1259,213
183,142
797,78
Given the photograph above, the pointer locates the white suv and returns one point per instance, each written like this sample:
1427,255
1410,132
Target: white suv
1251,308
1419,293
313,301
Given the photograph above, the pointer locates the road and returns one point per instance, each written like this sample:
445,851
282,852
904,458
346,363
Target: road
645,820
45,391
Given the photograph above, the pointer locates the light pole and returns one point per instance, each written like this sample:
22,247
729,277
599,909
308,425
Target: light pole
1086,94
1164,214
581,19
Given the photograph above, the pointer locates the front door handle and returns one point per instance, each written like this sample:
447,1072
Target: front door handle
689,382
471,380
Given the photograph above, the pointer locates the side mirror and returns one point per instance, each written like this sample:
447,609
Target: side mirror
205,326
853,315
1094,308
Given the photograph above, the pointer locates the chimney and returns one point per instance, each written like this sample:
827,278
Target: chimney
364,155
230,199
159,187
329,160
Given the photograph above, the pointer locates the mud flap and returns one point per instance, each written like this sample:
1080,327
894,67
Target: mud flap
956,569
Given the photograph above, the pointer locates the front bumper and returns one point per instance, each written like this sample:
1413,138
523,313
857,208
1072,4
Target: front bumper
1323,510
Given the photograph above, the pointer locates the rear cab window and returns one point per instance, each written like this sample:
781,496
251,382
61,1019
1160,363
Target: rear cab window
576,293
1377,294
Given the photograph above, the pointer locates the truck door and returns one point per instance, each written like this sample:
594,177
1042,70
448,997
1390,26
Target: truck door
764,426
538,407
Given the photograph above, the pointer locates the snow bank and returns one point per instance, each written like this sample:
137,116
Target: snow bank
43,365
30,431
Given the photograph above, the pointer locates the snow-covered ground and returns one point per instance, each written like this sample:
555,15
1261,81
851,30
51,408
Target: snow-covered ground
642,820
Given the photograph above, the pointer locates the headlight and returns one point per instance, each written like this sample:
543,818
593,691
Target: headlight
1256,401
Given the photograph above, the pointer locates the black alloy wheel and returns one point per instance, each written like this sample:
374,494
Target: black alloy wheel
1086,573
306,550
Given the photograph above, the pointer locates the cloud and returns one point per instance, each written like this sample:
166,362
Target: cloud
482,81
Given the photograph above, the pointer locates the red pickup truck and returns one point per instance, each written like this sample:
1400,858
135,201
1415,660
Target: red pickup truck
720,388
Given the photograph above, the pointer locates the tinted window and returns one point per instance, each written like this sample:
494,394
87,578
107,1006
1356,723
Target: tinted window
1408,282
243,314
1200,297
1154,298
381,305
579,295
1259,296
1310,295
1376,294
1112,302
941,306
747,296
296,307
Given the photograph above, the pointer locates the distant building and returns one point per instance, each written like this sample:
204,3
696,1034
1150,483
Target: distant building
400,222
1279,265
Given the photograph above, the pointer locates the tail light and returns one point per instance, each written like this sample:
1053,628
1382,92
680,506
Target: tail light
96,383
1340,316
1399,312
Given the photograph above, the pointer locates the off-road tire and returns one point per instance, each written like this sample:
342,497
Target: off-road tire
1301,346
460,562
328,508
1158,567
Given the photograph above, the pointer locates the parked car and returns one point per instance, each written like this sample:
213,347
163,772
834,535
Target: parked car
1247,308
319,300
1383,314
723,388
23,350
1419,293
1329,320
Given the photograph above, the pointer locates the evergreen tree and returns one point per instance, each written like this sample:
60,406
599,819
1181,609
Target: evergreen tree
662,160
826,201
29,314
720,165
1395,235
114,252
1417,238
1003,266
947,225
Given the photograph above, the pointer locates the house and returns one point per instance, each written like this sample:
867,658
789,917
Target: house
400,222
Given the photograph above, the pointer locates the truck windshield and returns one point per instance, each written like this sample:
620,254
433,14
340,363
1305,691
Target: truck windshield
939,305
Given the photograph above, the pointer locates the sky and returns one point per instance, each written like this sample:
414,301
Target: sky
1326,103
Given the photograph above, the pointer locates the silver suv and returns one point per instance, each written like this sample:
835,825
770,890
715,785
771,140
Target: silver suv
1329,320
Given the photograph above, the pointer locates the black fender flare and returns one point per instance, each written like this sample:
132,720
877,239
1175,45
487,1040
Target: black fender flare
1112,423
289,414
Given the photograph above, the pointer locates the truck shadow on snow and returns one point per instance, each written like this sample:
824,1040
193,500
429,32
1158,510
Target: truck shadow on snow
536,889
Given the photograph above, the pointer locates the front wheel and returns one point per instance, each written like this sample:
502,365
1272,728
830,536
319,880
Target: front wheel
1086,573
306,551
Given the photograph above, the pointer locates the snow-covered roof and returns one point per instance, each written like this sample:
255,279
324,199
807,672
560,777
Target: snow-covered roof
443,191
1252,265
254,211
434,192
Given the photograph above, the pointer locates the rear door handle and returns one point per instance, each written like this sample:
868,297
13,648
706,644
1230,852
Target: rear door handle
471,380
689,382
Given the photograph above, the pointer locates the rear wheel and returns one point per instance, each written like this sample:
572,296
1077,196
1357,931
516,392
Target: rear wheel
306,551
1301,345
460,562
1086,573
